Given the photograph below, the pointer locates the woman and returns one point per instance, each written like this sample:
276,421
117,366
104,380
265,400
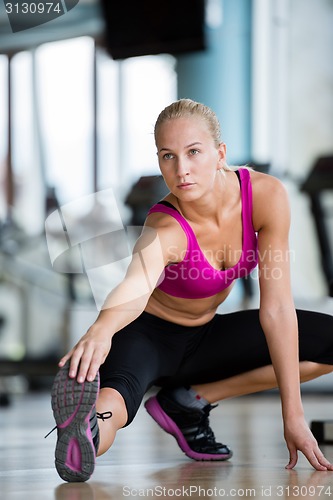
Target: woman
160,327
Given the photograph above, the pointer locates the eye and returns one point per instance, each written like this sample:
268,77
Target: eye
168,156
193,152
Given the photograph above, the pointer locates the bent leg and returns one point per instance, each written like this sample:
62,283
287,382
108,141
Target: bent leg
257,380
233,359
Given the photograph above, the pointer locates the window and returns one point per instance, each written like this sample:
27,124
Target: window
130,95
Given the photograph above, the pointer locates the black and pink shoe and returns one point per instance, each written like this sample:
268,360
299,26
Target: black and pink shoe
190,427
73,406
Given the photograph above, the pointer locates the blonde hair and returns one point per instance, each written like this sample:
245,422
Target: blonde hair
184,108
187,108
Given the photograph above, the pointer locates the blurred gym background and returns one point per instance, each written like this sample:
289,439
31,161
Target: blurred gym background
79,96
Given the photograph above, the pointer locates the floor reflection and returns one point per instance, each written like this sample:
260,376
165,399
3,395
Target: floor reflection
199,480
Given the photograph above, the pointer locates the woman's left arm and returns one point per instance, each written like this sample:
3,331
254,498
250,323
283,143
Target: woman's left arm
278,317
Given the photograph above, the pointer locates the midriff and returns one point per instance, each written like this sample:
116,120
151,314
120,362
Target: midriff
186,312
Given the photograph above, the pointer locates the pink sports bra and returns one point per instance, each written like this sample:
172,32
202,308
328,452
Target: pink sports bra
194,277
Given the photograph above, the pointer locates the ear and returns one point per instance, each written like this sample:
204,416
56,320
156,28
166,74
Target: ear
222,154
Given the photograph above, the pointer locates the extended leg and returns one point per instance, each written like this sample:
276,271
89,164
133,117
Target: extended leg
109,400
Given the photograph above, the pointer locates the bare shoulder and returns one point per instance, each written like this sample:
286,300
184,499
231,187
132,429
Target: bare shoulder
170,234
270,200
162,222
265,185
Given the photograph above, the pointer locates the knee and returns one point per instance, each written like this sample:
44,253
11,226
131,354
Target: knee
111,400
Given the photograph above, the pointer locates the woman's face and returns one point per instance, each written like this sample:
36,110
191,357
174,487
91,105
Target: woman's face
188,157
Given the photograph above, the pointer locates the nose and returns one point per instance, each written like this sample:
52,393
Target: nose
182,168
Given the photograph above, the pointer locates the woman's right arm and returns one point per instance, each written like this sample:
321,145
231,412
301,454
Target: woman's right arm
124,304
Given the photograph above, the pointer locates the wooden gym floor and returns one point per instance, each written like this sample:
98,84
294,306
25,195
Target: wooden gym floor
146,462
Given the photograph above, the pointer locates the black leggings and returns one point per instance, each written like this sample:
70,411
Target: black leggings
151,351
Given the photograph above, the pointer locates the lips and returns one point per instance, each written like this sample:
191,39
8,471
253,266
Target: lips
185,184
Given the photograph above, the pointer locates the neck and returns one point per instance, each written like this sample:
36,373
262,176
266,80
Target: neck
211,205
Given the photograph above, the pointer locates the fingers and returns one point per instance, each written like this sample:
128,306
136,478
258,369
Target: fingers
322,462
82,366
314,456
94,367
300,438
87,368
65,358
293,457
75,369
74,356
85,359
315,462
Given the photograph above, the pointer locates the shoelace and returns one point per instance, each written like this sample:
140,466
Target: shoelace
103,416
204,427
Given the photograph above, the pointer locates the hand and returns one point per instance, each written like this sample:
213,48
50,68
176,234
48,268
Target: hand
299,437
88,354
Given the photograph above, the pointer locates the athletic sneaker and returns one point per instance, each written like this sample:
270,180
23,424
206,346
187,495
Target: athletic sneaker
190,427
73,406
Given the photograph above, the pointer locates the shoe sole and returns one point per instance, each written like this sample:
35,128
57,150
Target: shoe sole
168,425
72,404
